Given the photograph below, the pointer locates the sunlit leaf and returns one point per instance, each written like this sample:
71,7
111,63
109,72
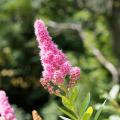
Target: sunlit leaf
84,105
67,103
88,114
68,113
74,94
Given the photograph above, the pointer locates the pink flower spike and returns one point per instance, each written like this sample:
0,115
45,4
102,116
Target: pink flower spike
55,64
74,73
50,55
6,111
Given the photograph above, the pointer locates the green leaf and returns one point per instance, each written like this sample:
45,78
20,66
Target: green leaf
74,94
84,105
99,111
88,114
68,113
67,103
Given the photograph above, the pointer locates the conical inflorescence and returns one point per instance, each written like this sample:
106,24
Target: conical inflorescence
55,64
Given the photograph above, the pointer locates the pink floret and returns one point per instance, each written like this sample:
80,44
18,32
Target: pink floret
75,73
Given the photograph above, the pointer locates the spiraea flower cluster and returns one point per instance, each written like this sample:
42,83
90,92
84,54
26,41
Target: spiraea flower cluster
55,64
6,111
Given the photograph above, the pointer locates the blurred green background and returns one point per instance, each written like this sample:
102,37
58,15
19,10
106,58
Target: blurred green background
88,31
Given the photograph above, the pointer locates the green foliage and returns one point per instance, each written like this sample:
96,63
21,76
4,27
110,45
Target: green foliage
67,103
88,114
81,112
99,111
68,113
84,105
70,109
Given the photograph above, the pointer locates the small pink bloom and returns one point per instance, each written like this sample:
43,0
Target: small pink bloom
50,89
58,60
43,82
47,58
47,75
58,77
75,73
65,68
49,68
